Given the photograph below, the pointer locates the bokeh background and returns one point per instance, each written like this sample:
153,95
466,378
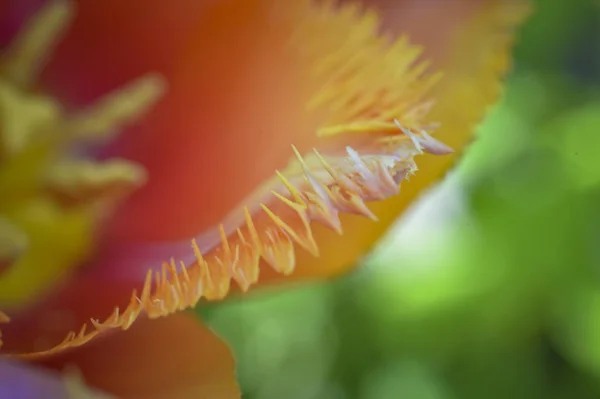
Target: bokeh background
490,286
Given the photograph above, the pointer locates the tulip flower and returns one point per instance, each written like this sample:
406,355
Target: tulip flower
155,155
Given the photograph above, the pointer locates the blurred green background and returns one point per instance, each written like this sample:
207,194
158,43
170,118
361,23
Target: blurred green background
491,287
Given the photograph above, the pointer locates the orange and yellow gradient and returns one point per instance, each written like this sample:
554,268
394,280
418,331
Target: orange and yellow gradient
153,153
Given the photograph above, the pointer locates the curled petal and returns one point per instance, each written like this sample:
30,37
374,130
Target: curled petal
215,145
473,55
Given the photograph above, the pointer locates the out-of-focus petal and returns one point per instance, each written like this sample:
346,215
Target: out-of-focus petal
173,357
21,381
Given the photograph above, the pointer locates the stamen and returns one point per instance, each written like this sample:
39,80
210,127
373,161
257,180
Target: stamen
29,52
42,186
4,319
114,111
13,242
25,117
84,181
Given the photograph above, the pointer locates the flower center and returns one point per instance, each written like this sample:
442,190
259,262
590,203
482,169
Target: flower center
52,200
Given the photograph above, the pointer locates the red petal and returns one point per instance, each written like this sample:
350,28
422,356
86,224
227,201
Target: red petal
112,42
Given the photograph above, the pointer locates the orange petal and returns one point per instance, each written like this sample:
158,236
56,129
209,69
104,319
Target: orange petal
241,94
174,357
244,93
471,43
211,128
231,120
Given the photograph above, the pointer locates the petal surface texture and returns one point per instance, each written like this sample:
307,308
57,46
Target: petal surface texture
286,131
